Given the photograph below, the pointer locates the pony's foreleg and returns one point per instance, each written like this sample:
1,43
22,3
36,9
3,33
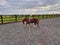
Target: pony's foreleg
24,23
34,24
38,24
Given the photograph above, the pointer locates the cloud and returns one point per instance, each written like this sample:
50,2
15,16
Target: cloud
3,2
29,6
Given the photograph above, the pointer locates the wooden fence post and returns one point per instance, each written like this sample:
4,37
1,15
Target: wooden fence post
49,16
1,19
46,16
15,18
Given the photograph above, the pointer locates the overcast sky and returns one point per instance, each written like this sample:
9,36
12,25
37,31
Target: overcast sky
29,6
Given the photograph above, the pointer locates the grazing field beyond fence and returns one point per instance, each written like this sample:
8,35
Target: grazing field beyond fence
16,18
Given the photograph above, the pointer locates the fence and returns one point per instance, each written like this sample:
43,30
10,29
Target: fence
16,18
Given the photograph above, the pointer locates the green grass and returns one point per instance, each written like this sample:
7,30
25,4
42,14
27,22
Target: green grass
19,18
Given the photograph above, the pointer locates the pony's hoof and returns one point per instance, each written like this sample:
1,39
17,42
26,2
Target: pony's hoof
38,26
34,25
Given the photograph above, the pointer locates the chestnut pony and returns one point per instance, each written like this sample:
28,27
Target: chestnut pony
27,20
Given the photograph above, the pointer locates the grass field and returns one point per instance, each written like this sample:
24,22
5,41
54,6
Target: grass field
14,18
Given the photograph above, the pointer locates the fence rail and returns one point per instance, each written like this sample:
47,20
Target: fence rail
16,18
